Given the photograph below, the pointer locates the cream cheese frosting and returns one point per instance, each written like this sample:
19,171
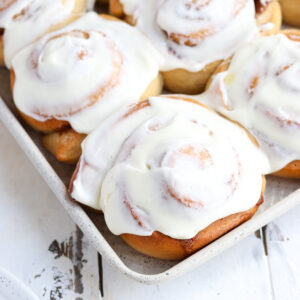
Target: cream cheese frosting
24,21
192,34
168,165
84,72
261,91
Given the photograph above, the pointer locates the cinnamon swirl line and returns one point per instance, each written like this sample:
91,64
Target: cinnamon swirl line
24,21
82,73
259,89
152,170
193,36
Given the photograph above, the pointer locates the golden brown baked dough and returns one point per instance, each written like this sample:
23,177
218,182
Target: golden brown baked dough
178,80
116,8
191,83
186,82
292,170
65,145
58,134
268,15
59,138
164,247
291,12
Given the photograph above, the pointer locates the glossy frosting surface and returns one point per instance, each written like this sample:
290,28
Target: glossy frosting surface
26,20
261,91
84,72
192,34
168,165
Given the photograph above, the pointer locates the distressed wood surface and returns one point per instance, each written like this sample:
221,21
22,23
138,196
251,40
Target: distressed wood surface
43,248
40,244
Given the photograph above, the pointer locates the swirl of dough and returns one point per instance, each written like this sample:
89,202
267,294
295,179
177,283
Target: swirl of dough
156,166
193,33
259,88
83,72
67,58
33,17
189,23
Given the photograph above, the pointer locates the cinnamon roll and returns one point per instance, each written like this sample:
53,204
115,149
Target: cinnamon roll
78,75
170,175
259,88
193,36
268,16
24,21
290,12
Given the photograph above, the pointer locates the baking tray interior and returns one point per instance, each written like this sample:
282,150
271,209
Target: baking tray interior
276,189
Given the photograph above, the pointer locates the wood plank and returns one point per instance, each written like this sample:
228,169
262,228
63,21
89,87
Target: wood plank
239,273
283,239
39,243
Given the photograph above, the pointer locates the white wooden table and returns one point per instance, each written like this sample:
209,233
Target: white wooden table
41,246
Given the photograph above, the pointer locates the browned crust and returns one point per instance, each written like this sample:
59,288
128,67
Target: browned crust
164,247
270,14
116,8
48,126
186,82
291,12
65,145
53,124
292,170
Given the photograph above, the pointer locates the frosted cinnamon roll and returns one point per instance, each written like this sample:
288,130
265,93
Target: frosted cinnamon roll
75,77
170,175
268,16
290,12
24,21
260,89
193,36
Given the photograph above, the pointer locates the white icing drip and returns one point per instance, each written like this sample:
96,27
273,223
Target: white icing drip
130,6
271,65
266,27
222,26
170,149
90,4
72,65
26,20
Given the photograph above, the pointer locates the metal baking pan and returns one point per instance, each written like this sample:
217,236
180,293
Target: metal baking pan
281,195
